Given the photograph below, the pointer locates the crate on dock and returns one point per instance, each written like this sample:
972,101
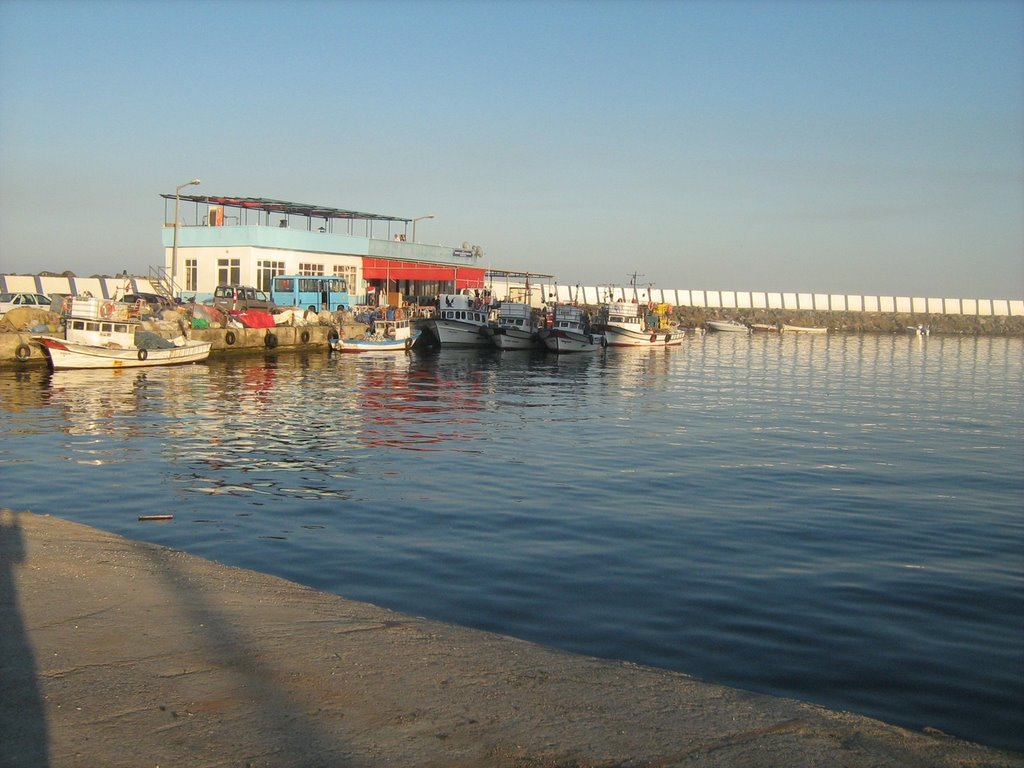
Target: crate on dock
86,307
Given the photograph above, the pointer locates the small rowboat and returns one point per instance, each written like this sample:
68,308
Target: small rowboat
804,329
727,326
385,336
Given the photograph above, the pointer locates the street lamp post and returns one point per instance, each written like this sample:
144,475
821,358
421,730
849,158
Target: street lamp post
174,247
419,218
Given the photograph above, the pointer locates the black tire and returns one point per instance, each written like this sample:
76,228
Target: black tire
143,354
23,352
304,337
229,338
270,341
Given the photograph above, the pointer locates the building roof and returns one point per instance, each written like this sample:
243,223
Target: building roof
285,207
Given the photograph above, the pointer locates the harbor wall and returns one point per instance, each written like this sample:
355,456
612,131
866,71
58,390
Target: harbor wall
789,301
100,286
108,286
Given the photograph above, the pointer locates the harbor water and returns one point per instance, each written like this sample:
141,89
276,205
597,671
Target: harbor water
837,518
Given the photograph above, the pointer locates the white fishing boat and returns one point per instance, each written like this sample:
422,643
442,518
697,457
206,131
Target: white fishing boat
460,321
626,324
727,326
517,327
570,331
804,329
105,334
394,335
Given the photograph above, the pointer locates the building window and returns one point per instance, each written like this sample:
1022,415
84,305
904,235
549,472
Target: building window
349,273
311,270
265,273
191,274
229,271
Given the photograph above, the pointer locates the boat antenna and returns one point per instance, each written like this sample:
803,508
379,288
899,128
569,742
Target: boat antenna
632,284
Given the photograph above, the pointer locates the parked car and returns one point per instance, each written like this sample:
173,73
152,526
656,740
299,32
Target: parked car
9,301
156,302
242,298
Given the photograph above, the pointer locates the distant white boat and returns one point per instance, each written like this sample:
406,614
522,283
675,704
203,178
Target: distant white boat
919,330
804,329
727,326
106,334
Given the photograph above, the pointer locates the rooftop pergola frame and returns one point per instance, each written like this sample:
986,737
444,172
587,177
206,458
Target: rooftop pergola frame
263,211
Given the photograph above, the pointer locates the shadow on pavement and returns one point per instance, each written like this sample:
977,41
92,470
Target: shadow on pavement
23,727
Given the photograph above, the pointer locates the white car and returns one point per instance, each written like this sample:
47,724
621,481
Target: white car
9,301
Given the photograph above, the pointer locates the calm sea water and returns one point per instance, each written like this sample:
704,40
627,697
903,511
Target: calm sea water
837,519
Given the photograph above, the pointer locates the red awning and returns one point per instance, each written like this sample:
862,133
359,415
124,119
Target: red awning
393,269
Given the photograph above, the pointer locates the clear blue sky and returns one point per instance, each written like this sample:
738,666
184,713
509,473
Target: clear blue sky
838,147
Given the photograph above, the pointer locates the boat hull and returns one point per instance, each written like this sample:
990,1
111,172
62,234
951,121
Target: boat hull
561,341
803,329
375,345
513,338
625,337
453,333
67,355
727,326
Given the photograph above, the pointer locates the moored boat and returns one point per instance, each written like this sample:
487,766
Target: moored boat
106,334
727,326
517,327
764,328
804,328
460,321
570,331
387,335
626,324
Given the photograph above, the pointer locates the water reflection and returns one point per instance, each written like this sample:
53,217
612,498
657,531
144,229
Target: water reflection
741,508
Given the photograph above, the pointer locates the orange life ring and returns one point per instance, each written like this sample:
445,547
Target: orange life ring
106,309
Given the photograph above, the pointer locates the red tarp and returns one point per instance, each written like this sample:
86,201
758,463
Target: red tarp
392,269
255,319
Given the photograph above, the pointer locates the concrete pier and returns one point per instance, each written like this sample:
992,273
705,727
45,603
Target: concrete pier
120,653
18,349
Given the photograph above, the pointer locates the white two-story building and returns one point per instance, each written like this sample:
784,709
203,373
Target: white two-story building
247,241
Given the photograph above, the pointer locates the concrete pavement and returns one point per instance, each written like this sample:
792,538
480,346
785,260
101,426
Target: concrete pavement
120,653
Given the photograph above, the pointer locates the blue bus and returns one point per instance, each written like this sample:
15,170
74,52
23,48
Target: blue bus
310,292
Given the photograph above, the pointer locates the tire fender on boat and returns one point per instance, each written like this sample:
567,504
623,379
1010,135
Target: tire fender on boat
143,354
654,337
270,340
229,338
304,337
23,352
